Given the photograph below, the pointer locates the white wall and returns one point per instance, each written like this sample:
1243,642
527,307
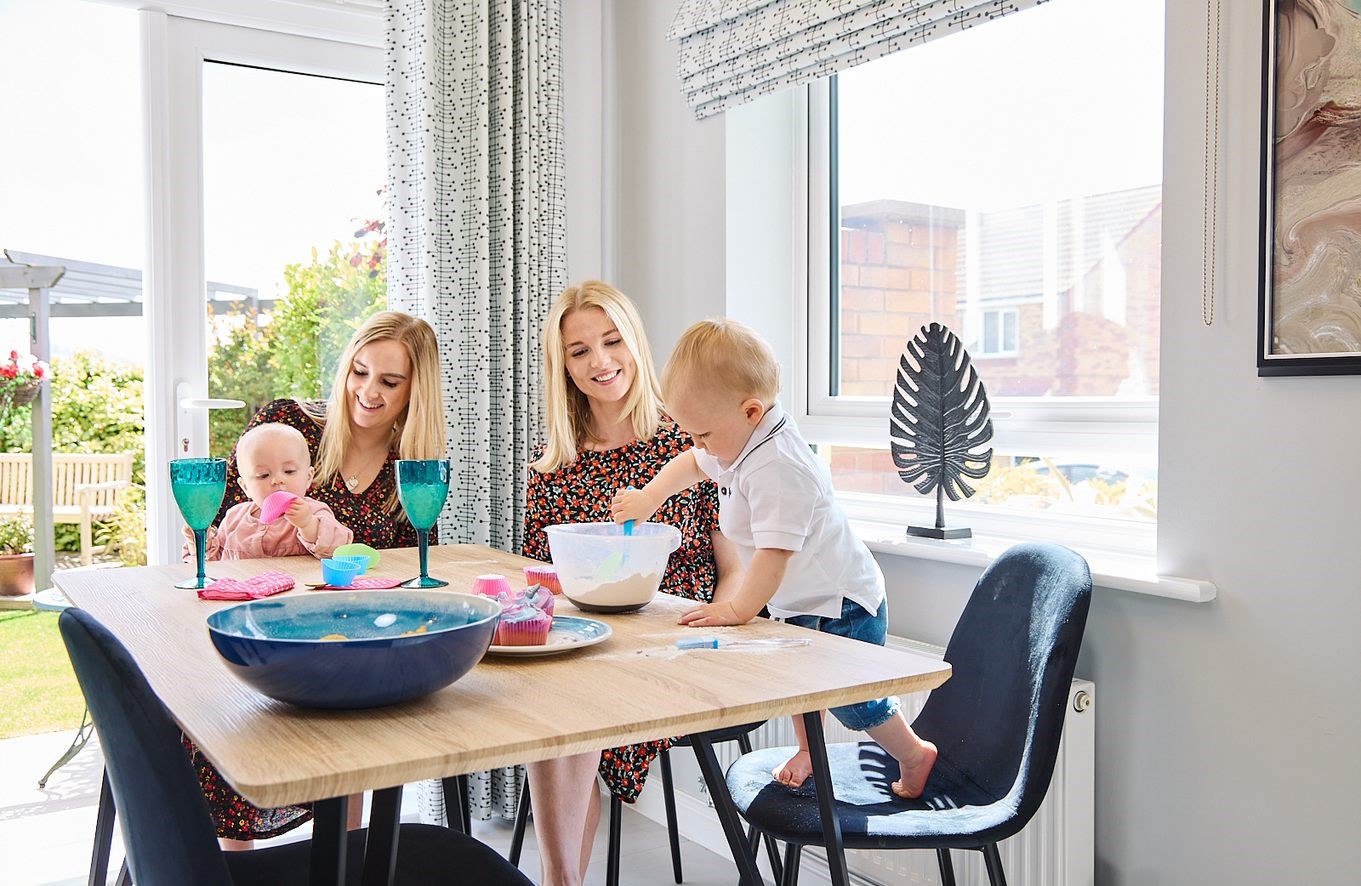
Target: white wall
1226,731
669,199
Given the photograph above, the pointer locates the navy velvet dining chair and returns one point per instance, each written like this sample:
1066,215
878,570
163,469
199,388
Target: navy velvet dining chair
996,723
167,828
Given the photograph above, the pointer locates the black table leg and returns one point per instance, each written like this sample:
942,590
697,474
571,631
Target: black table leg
727,811
328,841
822,782
380,849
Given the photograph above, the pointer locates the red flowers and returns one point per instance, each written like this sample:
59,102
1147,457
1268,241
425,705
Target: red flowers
19,379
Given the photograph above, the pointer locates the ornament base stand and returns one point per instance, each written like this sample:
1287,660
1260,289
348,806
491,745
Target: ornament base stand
935,532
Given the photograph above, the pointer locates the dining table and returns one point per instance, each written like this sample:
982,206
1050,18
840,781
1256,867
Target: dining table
636,685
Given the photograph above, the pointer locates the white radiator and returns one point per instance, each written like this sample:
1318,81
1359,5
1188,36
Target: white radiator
1055,849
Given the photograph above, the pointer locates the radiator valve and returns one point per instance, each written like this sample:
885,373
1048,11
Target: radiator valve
1082,700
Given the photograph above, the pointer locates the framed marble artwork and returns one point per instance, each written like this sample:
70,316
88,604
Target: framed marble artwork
1309,311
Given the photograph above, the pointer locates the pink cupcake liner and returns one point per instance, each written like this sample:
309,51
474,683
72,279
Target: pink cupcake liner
531,630
544,576
490,585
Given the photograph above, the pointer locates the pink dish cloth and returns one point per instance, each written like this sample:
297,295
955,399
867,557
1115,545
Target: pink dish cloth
266,584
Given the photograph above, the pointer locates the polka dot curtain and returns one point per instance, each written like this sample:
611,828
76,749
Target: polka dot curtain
477,241
477,246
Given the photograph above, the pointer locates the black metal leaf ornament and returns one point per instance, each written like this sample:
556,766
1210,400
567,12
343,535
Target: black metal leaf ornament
938,421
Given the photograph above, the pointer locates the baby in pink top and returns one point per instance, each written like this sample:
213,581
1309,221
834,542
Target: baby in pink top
270,458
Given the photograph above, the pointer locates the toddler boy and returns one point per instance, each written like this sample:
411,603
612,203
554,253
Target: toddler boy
803,563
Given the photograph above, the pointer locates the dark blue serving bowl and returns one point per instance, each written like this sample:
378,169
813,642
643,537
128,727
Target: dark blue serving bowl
276,644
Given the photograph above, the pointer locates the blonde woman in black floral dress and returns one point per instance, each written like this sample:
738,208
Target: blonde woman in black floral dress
606,430
387,396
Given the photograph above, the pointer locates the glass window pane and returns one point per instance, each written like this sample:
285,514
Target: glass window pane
985,186
294,169
1032,483
71,157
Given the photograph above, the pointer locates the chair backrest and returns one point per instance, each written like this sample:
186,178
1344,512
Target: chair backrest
167,827
999,717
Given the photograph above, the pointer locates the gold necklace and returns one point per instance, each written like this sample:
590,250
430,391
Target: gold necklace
352,480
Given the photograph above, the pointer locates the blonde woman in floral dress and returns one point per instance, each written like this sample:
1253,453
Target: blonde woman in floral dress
606,430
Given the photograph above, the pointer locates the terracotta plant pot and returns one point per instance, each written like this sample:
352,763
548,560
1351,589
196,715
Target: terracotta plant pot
16,575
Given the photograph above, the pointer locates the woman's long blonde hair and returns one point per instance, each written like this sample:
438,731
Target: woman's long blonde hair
567,410
419,430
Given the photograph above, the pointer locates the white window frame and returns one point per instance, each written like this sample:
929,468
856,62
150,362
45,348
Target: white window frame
174,50
1091,428
1083,429
1002,313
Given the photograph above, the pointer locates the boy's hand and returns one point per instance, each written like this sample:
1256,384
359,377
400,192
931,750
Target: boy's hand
711,615
632,504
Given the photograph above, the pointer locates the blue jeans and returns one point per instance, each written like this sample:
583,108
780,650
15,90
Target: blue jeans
857,624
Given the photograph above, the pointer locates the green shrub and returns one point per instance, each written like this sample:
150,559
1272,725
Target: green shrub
16,534
125,532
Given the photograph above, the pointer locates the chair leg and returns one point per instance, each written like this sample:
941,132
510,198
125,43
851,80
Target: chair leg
124,877
792,853
616,834
947,867
672,830
465,803
517,836
99,859
457,816
993,859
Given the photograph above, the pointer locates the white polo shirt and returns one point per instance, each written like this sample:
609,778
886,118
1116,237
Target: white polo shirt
777,494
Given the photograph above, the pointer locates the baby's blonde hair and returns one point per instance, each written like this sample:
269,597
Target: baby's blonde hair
722,356
567,410
264,434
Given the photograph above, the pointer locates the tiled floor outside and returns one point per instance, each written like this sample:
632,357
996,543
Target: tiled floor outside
45,835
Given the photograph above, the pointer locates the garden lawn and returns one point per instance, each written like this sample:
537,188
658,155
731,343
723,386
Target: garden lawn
38,690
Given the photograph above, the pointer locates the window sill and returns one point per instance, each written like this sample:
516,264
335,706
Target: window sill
1122,572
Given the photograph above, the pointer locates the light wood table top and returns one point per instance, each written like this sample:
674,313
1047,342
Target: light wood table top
507,710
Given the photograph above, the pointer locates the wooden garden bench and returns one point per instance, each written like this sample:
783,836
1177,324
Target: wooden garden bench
85,488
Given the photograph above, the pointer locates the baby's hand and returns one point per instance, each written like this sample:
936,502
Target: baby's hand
711,615
297,513
302,518
632,504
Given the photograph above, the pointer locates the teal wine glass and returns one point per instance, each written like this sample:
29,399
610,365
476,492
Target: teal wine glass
422,486
198,485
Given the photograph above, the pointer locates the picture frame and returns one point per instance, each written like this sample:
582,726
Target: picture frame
1309,306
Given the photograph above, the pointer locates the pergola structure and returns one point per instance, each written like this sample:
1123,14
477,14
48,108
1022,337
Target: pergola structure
94,290
42,287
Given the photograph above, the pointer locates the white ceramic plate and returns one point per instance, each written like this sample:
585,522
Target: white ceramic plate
568,632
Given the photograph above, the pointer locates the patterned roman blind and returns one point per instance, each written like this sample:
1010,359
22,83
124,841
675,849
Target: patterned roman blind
732,51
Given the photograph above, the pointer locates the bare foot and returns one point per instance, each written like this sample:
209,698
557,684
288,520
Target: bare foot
795,770
913,776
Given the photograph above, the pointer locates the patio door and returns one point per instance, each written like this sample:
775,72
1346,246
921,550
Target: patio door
266,163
